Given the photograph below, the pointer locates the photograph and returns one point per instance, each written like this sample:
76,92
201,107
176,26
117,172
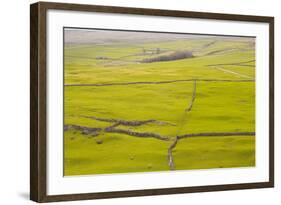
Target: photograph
150,101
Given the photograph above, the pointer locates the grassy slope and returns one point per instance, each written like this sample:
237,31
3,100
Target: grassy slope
220,152
118,153
219,106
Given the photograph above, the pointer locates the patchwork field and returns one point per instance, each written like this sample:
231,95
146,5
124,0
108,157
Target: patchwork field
158,103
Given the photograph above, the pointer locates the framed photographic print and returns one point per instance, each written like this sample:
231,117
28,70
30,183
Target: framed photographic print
134,102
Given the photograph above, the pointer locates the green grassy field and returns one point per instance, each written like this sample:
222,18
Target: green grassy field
122,115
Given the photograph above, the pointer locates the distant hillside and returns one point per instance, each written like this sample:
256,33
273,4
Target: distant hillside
86,36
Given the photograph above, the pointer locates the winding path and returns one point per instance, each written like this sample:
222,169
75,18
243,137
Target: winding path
231,72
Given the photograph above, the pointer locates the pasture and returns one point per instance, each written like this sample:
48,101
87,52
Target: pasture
159,105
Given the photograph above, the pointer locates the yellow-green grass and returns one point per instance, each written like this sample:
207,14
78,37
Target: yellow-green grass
230,105
217,152
117,154
84,68
222,107
218,107
162,102
121,154
181,69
